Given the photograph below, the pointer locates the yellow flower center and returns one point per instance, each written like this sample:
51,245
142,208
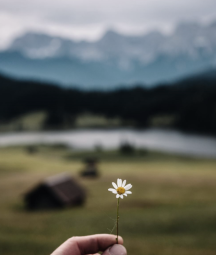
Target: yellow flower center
121,190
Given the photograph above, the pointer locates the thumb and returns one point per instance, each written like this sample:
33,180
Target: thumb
116,249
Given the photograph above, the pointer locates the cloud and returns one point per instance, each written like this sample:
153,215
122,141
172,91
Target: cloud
96,11
88,18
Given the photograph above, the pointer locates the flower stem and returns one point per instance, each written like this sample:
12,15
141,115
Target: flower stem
117,218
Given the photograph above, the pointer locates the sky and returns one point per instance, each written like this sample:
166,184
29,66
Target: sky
88,19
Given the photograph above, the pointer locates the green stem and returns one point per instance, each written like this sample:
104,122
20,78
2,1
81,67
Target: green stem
117,218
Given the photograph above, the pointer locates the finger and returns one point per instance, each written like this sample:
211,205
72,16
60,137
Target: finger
86,244
116,249
94,254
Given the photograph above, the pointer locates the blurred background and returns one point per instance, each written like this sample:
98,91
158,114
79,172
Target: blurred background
92,91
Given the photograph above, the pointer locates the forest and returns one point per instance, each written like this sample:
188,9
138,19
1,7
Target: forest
188,105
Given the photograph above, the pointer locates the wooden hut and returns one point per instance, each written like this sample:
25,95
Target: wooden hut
91,169
55,192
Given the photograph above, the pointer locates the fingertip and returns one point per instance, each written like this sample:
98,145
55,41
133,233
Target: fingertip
116,249
120,240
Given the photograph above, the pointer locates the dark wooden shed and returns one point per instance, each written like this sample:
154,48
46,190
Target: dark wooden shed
55,192
91,169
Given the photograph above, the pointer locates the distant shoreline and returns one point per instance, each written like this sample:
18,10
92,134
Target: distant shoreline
170,141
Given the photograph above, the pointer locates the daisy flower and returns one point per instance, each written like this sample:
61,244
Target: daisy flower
121,189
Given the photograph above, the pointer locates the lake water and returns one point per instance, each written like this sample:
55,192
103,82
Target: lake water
160,140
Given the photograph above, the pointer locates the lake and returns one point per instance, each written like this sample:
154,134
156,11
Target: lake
167,141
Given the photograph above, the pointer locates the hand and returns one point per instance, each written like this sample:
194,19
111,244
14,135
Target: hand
89,245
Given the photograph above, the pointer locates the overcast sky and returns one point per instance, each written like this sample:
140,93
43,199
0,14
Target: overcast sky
87,19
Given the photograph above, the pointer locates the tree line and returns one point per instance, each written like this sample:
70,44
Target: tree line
192,101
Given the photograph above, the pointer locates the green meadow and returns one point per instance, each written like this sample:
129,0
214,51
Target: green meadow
172,210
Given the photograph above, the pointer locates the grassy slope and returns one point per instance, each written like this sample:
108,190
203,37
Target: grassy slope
172,210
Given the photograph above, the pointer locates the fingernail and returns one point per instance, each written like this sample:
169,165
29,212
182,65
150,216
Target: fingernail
117,249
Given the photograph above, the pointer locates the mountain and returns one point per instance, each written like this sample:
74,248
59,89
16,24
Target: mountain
113,60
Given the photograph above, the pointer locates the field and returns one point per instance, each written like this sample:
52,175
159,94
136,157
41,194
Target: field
172,210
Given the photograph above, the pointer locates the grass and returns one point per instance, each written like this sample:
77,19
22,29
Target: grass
172,210
35,121
31,122
88,120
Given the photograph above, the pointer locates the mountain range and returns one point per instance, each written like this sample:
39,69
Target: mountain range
113,60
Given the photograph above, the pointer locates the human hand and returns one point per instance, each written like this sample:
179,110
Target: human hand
89,245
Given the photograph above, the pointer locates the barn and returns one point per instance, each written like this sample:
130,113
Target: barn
55,192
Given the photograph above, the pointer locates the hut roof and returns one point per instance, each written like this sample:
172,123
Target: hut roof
90,160
64,187
60,188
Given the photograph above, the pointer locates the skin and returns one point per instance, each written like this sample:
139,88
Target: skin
89,245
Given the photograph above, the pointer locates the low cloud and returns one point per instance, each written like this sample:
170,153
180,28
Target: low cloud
88,19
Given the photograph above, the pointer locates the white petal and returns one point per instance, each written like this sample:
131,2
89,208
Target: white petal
114,185
127,187
117,196
121,196
123,184
119,182
128,192
113,191
125,194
